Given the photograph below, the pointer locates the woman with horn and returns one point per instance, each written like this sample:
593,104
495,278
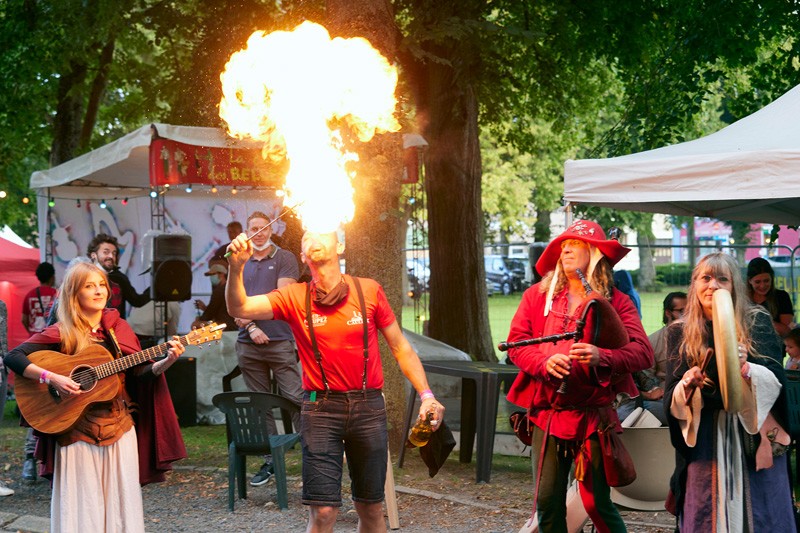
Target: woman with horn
569,386
727,409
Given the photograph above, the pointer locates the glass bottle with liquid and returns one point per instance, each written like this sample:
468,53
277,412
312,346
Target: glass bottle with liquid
421,432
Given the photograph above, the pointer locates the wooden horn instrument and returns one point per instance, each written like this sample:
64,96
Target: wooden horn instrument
726,350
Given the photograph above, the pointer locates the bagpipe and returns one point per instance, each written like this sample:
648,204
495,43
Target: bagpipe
598,324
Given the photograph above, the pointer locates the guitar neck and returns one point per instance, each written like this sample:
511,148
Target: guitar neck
124,363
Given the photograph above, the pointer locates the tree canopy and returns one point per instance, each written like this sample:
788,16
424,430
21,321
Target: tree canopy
534,82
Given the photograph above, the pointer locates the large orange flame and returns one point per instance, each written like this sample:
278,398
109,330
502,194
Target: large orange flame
287,88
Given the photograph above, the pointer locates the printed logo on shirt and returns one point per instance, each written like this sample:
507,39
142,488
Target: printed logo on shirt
318,320
357,319
37,320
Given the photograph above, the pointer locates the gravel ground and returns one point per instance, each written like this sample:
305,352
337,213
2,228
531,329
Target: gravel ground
195,499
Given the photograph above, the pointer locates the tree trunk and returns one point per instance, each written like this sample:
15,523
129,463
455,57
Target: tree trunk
459,313
373,237
96,94
69,114
541,228
647,267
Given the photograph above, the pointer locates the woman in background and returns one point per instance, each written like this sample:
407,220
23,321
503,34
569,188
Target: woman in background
730,468
96,465
761,290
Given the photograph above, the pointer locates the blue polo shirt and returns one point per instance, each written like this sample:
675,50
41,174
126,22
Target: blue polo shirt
261,277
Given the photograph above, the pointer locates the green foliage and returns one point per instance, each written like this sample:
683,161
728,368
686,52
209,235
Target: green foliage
671,56
166,62
679,274
671,275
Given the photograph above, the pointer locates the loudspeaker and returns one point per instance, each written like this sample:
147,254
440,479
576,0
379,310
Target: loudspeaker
182,384
172,269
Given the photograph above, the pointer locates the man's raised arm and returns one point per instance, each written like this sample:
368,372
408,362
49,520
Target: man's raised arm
239,304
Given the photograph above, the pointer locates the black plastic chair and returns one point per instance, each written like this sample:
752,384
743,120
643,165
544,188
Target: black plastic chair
245,417
227,386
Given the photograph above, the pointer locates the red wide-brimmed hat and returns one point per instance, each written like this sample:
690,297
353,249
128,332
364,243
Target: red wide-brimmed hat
586,231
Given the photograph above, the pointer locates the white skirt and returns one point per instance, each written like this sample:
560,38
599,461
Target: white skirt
96,488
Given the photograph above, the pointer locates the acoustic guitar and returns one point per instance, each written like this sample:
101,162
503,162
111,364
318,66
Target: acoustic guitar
95,369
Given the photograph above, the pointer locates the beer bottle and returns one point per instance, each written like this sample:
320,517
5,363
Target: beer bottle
421,432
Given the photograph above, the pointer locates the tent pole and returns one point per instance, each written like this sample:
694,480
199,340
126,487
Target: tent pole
157,222
48,236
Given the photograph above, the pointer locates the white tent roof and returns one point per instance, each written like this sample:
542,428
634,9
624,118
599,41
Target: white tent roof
748,171
9,235
120,168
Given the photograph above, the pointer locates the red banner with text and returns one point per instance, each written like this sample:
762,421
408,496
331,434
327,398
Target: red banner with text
177,163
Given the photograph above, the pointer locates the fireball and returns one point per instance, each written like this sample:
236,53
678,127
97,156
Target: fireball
293,91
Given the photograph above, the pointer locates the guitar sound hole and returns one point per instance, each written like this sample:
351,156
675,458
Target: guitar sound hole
84,376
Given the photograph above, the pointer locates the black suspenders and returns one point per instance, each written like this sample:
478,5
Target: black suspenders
315,346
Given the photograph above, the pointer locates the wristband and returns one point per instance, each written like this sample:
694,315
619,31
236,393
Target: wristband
43,377
250,327
424,395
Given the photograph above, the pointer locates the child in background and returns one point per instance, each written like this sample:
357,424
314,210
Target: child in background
792,342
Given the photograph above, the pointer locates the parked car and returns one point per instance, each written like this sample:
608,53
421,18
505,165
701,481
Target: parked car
519,271
779,260
418,276
498,272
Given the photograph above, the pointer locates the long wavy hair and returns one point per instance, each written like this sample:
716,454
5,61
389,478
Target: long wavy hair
602,279
759,265
695,333
72,324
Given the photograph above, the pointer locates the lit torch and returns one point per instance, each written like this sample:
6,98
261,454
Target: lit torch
289,90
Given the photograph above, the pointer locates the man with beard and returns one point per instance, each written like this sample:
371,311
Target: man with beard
103,251
335,319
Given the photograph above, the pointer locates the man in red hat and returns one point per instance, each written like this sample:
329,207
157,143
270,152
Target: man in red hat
569,386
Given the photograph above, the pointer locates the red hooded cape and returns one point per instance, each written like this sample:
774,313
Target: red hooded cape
157,432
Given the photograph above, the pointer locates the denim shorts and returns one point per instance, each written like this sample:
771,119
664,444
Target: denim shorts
337,423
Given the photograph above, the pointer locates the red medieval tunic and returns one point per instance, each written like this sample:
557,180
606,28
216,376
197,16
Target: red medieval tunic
567,415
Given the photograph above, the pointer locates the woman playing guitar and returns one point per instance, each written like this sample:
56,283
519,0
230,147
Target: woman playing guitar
96,478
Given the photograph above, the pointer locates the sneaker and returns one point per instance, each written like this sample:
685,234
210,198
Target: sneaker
29,469
5,491
264,475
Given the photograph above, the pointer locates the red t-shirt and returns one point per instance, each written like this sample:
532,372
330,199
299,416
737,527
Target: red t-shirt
36,305
340,334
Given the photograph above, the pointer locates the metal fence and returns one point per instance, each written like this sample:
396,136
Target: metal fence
673,265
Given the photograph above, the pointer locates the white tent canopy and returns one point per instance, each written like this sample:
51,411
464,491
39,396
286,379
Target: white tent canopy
120,168
748,171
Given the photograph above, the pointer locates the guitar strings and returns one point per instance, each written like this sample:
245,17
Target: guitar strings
90,375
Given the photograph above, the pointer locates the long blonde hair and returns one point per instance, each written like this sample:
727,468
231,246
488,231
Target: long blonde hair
695,334
72,324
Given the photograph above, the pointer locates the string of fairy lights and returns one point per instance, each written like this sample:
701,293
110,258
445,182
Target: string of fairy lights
25,198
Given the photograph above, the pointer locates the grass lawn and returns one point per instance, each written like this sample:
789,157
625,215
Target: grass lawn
502,309
206,448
